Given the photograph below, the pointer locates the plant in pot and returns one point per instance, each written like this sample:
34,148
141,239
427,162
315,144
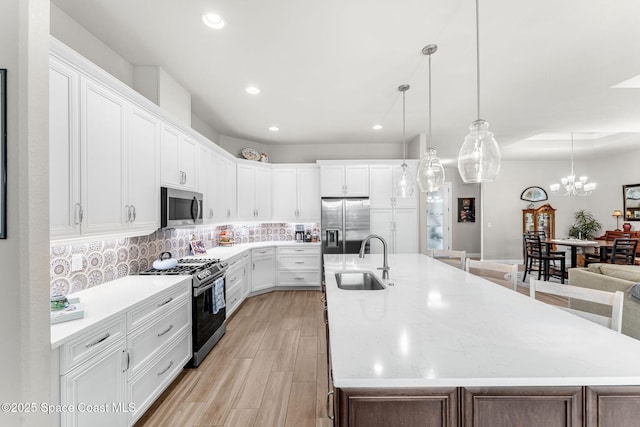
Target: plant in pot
585,225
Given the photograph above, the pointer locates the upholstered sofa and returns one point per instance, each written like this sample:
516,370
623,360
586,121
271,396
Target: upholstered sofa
610,277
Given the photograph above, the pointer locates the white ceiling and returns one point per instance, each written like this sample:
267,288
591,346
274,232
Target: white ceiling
329,70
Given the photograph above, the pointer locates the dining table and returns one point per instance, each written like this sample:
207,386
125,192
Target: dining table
574,244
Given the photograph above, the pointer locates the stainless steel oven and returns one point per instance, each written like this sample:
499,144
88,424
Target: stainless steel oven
179,208
208,305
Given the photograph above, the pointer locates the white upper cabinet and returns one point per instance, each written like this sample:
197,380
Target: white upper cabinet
143,166
64,150
254,192
381,184
206,169
344,180
104,159
103,172
296,193
225,183
179,159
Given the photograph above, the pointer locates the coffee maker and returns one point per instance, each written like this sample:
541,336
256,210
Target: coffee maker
299,233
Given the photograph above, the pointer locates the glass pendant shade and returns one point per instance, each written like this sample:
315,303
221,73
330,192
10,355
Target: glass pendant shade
403,183
430,172
479,157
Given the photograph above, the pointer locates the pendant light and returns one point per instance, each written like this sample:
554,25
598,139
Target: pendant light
430,172
571,187
479,157
403,183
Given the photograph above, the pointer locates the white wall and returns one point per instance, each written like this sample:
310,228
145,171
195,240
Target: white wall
24,360
69,32
502,224
296,153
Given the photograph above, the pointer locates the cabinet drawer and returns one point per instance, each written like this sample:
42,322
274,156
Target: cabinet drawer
147,386
299,250
148,341
299,262
262,252
234,297
81,349
233,277
299,278
160,303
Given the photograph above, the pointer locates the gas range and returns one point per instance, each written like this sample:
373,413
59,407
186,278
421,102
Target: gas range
202,269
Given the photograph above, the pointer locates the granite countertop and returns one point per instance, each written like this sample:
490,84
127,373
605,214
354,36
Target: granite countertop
109,300
440,326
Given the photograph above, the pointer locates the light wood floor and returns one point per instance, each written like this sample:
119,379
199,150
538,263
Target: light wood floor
269,369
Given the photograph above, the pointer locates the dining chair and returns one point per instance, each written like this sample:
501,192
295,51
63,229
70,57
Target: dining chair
502,274
451,257
613,299
539,258
622,252
609,236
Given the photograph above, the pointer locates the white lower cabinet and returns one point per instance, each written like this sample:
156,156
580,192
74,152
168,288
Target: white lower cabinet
111,374
144,388
299,267
95,390
237,281
263,274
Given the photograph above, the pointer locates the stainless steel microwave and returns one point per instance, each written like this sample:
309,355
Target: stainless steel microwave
179,208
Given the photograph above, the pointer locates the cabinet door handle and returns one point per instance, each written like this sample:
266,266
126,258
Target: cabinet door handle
254,266
134,213
80,213
166,302
128,360
127,209
331,417
298,278
228,213
299,262
165,331
166,369
98,341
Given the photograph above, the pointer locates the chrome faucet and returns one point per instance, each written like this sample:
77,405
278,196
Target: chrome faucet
385,265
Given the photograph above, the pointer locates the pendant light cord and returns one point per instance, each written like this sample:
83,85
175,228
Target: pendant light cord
478,58
429,141
404,144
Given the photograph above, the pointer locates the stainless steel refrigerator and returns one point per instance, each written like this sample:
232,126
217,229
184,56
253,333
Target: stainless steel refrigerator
345,224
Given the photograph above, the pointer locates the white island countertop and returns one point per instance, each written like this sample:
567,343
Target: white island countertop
440,326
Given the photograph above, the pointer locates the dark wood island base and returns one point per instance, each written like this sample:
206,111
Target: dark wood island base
613,406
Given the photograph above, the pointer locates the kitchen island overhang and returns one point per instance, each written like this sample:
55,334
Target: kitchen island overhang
435,327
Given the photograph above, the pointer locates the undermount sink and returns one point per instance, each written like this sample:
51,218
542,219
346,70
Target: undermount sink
358,281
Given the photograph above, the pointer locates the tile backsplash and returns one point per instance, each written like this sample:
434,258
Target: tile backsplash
105,260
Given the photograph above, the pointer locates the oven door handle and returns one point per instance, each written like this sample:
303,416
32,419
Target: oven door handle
202,289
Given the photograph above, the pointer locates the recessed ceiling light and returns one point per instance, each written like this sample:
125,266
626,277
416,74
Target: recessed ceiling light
252,90
213,20
377,127
274,128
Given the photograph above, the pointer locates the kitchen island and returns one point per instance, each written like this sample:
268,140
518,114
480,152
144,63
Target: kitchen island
439,346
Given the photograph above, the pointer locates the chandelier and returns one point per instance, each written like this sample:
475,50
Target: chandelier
571,186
